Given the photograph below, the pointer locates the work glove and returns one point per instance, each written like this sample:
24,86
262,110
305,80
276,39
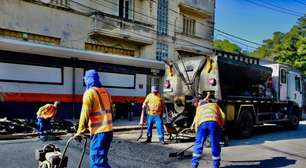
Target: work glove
78,137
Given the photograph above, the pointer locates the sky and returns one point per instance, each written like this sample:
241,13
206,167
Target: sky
255,23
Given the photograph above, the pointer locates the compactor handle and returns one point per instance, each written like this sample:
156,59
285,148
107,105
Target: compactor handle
68,143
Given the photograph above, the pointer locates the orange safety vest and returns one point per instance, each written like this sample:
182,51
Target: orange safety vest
209,112
155,104
47,111
100,117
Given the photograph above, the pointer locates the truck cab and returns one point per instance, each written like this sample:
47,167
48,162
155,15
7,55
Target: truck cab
287,82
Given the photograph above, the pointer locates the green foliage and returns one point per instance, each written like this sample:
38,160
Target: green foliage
286,48
226,45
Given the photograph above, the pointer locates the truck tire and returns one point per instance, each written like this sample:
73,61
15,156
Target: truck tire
245,124
293,122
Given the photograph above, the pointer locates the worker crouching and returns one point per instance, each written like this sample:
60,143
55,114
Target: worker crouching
154,105
44,115
208,121
96,114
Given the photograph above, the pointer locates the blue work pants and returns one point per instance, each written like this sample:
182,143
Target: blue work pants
158,120
211,129
99,146
42,125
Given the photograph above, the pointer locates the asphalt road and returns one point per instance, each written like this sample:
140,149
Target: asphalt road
270,147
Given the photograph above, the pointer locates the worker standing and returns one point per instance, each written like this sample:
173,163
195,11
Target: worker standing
208,121
44,115
154,105
96,114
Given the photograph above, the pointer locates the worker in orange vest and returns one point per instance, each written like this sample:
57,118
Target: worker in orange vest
44,115
96,115
154,104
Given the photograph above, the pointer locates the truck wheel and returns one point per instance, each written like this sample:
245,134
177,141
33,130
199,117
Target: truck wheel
245,124
293,122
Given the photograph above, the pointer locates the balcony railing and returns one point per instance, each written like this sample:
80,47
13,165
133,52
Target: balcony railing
54,3
63,3
110,25
204,8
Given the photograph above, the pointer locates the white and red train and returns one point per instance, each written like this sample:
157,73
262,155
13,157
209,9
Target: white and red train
35,74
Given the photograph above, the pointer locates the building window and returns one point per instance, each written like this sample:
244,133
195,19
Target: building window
108,49
161,51
125,9
189,26
162,17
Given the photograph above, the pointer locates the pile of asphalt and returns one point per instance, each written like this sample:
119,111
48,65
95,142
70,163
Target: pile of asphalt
16,126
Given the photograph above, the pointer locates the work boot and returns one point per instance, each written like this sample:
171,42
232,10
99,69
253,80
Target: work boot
148,140
161,141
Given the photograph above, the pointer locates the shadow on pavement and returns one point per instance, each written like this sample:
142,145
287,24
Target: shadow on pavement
265,133
275,162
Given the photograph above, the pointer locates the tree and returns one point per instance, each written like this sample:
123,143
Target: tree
226,45
286,48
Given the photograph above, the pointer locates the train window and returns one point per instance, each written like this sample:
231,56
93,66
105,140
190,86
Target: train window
24,74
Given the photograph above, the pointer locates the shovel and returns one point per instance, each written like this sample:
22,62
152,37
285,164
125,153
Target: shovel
142,123
181,153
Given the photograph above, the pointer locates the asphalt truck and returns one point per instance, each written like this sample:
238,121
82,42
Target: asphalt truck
249,90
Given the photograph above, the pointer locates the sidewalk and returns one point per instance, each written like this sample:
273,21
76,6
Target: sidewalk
126,125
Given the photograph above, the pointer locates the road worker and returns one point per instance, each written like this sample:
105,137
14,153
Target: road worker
154,104
44,115
208,121
96,115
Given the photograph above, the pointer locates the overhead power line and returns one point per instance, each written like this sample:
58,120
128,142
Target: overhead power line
282,8
151,17
300,2
237,37
95,10
274,9
173,24
235,41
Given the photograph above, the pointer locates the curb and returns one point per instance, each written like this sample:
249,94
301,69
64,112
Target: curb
127,128
25,136
31,135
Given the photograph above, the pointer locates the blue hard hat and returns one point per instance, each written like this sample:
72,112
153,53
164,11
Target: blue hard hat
92,78
91,73
155,88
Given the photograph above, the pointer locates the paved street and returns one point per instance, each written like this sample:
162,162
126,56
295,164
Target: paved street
271,147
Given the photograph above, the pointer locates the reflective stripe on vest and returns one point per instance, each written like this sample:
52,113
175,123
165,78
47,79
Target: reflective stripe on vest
101,121
208,114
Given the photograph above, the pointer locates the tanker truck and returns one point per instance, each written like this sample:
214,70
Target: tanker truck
249,90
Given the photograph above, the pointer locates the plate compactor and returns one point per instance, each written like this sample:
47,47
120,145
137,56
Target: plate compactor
50,156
